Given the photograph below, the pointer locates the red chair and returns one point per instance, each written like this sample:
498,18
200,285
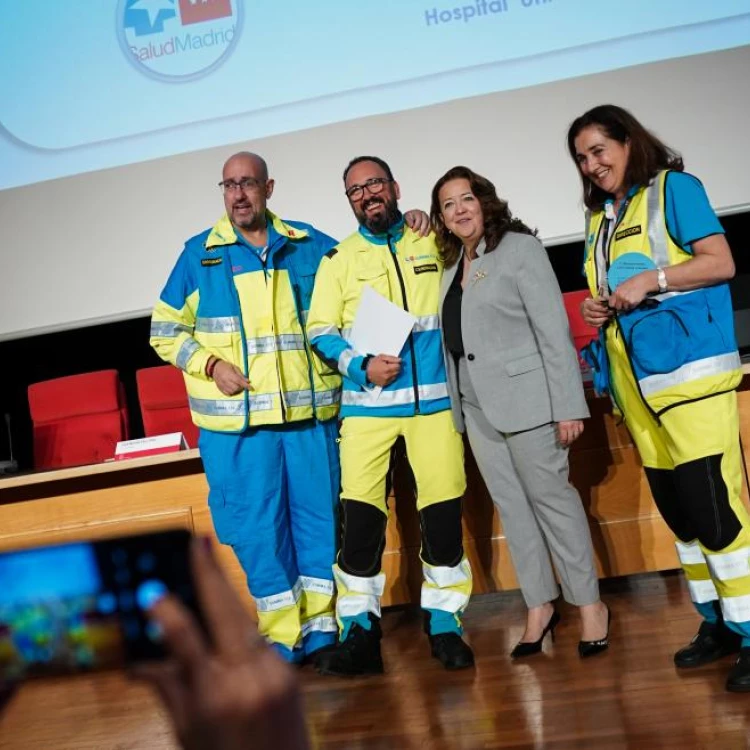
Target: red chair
582,332
164,403
78,419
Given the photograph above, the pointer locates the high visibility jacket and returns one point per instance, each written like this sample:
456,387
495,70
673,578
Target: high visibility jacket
405,269
681,345
222,299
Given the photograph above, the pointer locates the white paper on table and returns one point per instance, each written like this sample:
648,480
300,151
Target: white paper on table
380,327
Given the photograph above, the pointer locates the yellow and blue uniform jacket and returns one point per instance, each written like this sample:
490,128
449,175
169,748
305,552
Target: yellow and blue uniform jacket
224,299
405,269
681,345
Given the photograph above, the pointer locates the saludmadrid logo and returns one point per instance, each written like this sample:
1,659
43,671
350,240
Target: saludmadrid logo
178,40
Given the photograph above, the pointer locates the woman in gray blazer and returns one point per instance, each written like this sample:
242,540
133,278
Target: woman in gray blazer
516,389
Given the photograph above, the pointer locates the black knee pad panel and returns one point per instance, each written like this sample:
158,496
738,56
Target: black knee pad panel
705,499
362,538
441,533
663,484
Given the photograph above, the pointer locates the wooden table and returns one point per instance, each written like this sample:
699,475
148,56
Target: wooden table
170,491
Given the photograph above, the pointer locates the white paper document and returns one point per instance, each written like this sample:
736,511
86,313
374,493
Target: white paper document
380,327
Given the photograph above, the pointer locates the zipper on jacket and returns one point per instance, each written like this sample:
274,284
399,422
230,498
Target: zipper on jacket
276,353
596,260
708,310
296,294
243,344
411,334
266,276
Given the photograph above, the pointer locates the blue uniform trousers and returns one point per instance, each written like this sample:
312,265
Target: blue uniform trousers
273,498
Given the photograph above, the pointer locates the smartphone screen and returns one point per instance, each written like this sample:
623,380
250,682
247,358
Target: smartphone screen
83,606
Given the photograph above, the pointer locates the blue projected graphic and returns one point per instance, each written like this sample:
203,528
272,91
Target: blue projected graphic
131,80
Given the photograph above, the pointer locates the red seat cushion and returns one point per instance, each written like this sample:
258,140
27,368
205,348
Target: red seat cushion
164,403
77,419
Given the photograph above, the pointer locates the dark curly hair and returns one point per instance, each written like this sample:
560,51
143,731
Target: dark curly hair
497,216
648,155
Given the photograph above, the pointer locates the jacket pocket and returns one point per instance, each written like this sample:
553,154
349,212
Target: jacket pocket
524,364
217,340
230,510
321,368
376,277
660,342
305,284
223,345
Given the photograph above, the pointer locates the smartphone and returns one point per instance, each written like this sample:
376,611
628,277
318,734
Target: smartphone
83,606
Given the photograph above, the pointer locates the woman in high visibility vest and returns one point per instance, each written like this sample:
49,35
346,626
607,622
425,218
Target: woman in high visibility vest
657,265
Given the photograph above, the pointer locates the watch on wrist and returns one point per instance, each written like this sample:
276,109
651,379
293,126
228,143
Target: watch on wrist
661,280
366,361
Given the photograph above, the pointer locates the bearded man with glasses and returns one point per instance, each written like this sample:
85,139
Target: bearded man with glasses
412,402
231,316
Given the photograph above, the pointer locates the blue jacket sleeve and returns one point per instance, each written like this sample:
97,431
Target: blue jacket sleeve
324,324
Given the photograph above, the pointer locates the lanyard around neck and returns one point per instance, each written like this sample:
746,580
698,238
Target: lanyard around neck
612,220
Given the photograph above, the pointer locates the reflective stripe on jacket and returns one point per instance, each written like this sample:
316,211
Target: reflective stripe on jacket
681,346
222,299
405,269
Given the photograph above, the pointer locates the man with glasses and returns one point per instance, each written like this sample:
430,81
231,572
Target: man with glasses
413,403
231,317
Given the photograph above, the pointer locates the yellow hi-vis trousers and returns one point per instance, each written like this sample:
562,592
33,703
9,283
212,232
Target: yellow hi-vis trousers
435,453
694,466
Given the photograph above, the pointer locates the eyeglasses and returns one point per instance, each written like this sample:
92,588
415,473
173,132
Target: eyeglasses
246,185
374,186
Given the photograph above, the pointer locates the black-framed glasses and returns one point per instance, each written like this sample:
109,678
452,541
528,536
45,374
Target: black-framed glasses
374,186
246,185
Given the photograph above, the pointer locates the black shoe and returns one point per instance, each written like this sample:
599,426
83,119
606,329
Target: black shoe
739,675
528,648
358,654
451,651
591,648
712,641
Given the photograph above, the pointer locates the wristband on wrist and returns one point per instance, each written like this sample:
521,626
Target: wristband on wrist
211,366
661,280
366,361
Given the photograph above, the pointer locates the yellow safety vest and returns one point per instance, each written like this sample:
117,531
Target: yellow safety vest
252,316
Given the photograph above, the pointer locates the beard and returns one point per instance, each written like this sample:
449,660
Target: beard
380,222
250,221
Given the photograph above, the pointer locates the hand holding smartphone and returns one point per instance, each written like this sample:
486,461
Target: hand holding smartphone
161,603
83,606
231,692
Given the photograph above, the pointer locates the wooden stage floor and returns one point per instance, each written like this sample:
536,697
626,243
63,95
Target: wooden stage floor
629,697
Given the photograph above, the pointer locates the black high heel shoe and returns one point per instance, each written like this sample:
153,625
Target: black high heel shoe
590,648
528,648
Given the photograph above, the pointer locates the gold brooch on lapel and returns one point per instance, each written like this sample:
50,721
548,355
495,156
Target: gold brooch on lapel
478,276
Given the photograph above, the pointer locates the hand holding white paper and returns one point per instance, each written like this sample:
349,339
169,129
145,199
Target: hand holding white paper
380,327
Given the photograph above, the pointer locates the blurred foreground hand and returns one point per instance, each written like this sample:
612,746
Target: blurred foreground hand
233,693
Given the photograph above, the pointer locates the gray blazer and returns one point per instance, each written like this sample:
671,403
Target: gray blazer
517,342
